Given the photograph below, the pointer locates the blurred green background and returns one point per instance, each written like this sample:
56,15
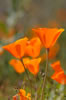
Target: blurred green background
17,18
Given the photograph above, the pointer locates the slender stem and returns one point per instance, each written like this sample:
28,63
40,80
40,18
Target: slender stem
25,69
44,79
27,74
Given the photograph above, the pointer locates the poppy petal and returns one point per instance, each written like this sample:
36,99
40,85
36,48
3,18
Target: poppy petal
59,77
17,48
57,66
17,65
57,36
33,47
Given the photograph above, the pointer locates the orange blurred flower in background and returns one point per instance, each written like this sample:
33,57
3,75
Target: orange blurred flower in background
31,64
53,23
11,32
53,51
61,14
48,36
7,35
59,75
1,50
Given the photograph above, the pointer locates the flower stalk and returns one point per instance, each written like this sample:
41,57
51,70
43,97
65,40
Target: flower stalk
27,75
44,79
25,69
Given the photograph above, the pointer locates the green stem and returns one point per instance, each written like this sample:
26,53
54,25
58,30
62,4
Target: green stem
44,79
25,69
27,75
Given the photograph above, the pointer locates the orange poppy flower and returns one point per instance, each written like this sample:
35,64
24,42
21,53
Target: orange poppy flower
59,75
52,52
31,64
33,47
17,49
17,65
48,36
23,95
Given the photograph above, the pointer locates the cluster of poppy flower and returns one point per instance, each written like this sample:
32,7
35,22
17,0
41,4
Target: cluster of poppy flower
48,38
23,47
